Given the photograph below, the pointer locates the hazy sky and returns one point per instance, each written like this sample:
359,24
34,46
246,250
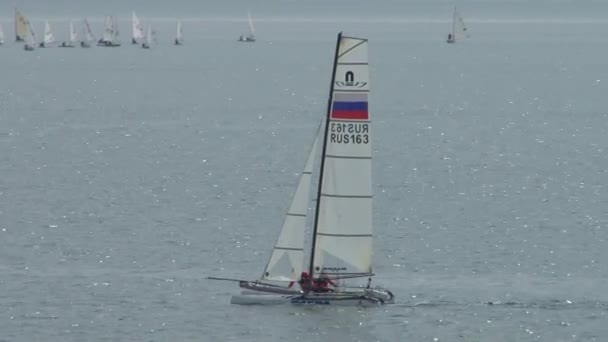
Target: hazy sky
395,9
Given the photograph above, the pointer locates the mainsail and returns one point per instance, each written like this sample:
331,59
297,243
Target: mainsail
1,35
48,34
88,35
22,26
179,34
287,259
459,30
342,241
108,31
73,34
251,28
138,30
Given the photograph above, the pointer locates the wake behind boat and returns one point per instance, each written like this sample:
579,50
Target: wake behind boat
342,235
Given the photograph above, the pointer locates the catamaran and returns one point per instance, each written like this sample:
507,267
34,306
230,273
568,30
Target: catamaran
148,42
1,35
49,37
250,37
22,26
110,35
137,28
179,39
73,37
459,30
342,232
87,35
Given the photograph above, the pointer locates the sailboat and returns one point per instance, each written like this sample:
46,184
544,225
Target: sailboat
342,233
250,37
49,37
179,39
22,26
87,35
110,35
138,30
148,42
30,39
73,37
1,35
459,30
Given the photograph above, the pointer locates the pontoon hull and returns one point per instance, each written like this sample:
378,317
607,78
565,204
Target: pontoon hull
365,297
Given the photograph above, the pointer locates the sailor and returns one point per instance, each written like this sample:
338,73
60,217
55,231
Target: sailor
323,284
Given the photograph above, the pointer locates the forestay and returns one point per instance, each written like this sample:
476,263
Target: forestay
343,228
287,259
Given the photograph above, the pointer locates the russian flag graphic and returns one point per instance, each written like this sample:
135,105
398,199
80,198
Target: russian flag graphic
350,106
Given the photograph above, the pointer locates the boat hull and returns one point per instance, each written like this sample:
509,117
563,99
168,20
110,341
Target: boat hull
364,297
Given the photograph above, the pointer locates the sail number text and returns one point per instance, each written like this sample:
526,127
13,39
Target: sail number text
349,133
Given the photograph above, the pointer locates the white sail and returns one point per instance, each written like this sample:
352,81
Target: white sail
115,31
73,34
251,28
287,259
179,34
1,34
343,227
22,25
138,30
459,30
88,35
108,31
149,35
49,37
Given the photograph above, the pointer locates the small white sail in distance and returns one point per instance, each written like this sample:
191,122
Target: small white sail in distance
1,34
138,30
251,28
73,34
88,35
287,259
179,34
49,37
459,29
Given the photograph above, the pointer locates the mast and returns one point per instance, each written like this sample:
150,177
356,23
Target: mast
454,25
323,150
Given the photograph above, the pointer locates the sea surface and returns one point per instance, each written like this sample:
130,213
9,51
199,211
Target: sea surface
128,176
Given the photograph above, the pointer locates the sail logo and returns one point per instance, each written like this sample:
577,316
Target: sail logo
349,81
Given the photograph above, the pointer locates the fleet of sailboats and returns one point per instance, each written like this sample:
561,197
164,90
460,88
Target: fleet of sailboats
342,232
459,29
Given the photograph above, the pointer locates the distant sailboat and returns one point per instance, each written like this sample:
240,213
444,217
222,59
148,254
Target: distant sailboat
22,26
73,37
30,39
148,42
110,35
138,30
49,37
87,35
459,30
250,37
1,35
179,39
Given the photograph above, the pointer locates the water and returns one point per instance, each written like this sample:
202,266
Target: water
129,176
